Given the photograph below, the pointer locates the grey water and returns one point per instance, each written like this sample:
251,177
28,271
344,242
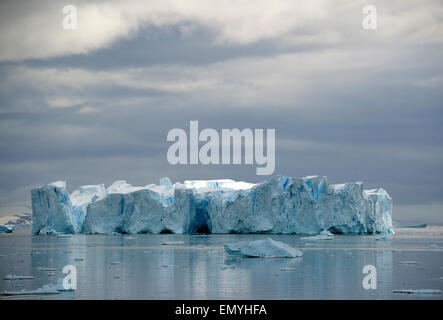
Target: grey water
140,267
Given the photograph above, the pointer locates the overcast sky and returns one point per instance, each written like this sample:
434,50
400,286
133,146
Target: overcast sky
95,104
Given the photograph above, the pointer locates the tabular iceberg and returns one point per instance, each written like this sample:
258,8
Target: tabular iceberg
281,205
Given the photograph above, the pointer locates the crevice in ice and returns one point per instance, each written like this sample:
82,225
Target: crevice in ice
201,221
202,229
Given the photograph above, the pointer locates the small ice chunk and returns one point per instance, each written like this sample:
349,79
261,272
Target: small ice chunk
225,267
58,184
63,235
287,269
420,226
266,248
6,228
434,246
382,239
14,277
324,235
44,269
46,289
60,286
418,291
410,262
47,231
172,243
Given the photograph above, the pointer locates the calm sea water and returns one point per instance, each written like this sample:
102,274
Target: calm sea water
140,267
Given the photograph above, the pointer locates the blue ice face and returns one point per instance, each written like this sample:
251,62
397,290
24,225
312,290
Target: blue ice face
280,205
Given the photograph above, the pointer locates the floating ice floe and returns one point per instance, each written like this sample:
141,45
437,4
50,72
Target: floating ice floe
434,246
48,231
14,277
418,291
225,267
282,205
46,289
61,287
287,269
46,269
382,239
420,226
6,228
324,235
266,248
172,243
410,262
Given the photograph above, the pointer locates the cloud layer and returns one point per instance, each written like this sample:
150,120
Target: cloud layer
95,104
38,25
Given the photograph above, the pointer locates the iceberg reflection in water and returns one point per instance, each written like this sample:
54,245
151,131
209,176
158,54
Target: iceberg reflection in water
140,267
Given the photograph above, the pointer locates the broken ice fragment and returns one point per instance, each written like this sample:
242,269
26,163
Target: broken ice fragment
420,226
287,269
324,235
14,277
418,291
266,248
6,228
171,243
47,231
60,286
46,289
410,262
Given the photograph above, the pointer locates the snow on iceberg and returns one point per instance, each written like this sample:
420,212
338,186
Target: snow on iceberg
266,248
82,197
281,205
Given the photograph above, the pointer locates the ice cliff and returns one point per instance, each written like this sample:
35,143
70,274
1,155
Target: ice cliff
281,205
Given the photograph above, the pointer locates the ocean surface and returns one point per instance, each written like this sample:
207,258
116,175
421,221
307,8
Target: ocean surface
141,267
